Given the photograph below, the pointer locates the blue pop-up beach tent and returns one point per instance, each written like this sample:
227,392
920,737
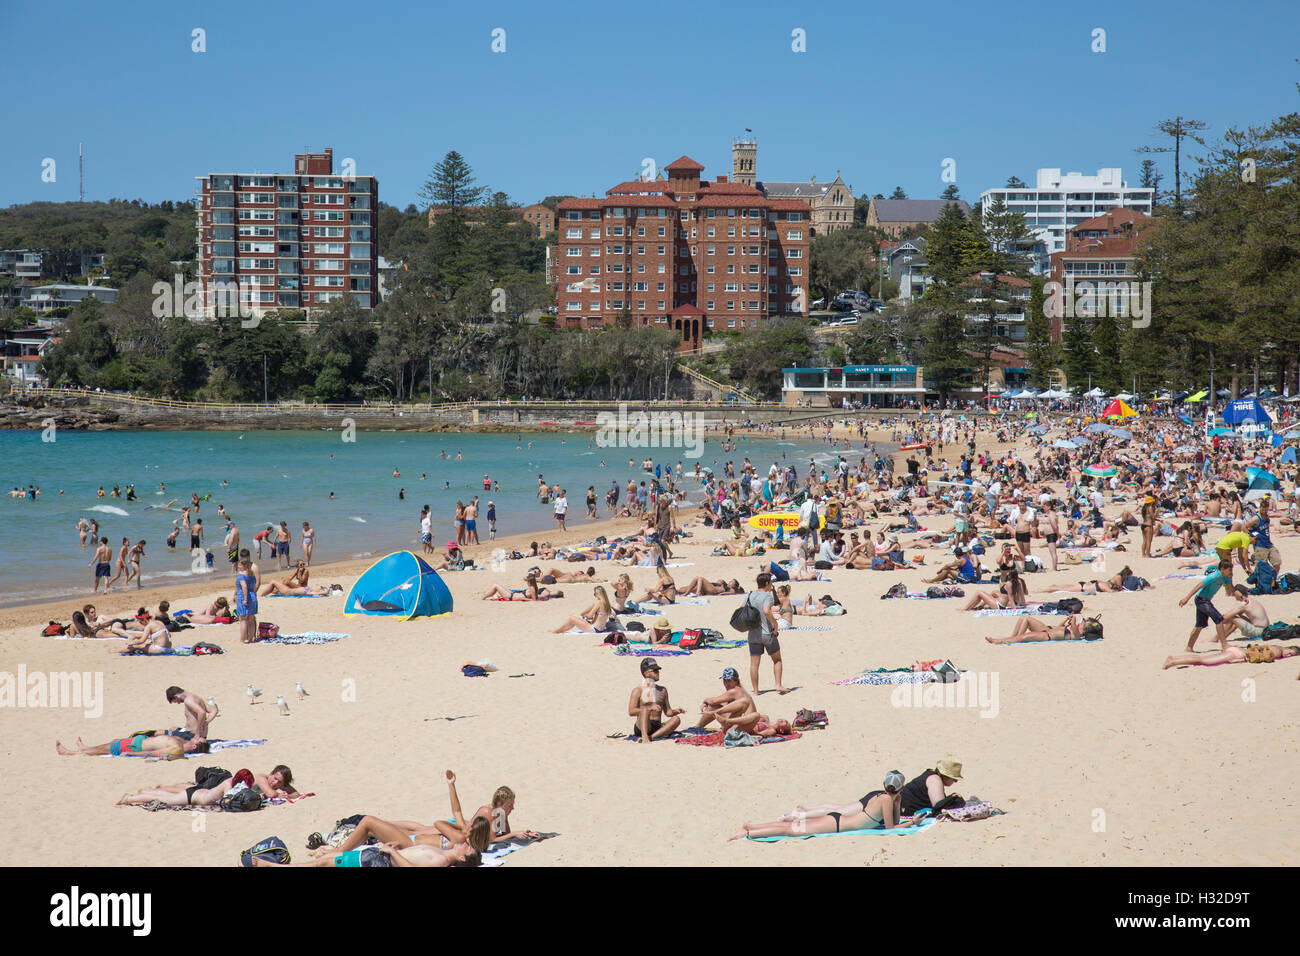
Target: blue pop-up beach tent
1261,484
1245,410
1288,456
400,586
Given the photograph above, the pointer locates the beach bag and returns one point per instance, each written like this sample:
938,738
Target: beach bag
809,719
1263,580
615,637
1092,630
746,618
1069,605
202,649
634,626
54,629
896,591
1288,582
823,565
473,670
272,849
947,672
242,799
973,810
267,629
951,590
934,591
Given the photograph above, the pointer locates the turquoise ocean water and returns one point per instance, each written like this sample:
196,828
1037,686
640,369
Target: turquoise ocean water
288,476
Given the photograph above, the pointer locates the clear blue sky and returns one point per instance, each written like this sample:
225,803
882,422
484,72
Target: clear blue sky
586,90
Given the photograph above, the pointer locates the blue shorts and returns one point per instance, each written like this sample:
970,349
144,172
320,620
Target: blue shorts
1206,612
103,569
282,548
471,525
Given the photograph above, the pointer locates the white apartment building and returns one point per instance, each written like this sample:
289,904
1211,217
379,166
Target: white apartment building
1057,203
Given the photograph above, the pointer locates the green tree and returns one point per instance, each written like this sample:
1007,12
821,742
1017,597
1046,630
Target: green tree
950,192
1041,352
898,193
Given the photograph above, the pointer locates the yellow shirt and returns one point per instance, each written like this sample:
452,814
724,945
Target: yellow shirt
1231,540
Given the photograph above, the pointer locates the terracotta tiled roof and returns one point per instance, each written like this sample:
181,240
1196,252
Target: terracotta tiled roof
637,186
684,163
577,203
1004,279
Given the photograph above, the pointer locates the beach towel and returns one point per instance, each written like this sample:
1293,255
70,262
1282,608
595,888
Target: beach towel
307,637
901,831
973,810
697,601
1013,611
799,627
647,650
215,745
1188,574
155,805
900,676
496,853
717,739
176,650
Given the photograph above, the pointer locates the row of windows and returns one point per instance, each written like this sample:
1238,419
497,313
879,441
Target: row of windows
616,305
661,212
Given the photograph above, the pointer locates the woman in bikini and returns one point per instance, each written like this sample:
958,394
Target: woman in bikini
530,592
100,629
444,834
498,816
277,783
1235,654
133,566
1124,580
878,810
1148,523
622,590
598,618
703,588
294,584
1031,629
665,593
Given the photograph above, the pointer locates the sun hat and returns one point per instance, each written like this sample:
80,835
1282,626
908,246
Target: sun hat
662,624
452,546
949,767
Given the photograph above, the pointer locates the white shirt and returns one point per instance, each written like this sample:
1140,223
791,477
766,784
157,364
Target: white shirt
426,525
561,505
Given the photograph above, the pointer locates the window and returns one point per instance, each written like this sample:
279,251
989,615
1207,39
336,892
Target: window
640,230
640,305
615,250
594,214
573,307
660,268
730,287
594,270
573,251
640,267
711,232
594,234
709,268
640,250
328,265
661,303
615,286
731,269
572,214
660,288
731,214
641,287
662,232
616,230
593,251
573,234
794,217
794,253
616,212
573,270
661,250
328,248
615,267
793,234
731,232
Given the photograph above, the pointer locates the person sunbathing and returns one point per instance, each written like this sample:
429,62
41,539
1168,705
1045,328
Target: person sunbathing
559,576
498,816
665,593
878,810
964,570
154,638
295,583
598,618
218,612
277,783
622,591
734,702
702,587
148,742
1123,580
1029,629
745,549
530,592
1235,654
1011,592
390,854
99,629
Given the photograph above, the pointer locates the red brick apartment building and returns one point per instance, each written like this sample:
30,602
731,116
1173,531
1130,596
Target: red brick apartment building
1101,249
681,253
293,241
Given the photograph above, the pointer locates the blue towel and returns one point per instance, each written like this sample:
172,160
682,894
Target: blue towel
901,831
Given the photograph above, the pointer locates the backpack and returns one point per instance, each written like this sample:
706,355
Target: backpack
473,670
1263,580
54,629
272,849
266,629
202,648
746,617
1069,606
242,800
1092,630
1288,582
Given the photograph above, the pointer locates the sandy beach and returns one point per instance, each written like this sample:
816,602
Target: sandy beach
1096,755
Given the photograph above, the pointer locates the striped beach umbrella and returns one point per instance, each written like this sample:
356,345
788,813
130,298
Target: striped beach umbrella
1101,471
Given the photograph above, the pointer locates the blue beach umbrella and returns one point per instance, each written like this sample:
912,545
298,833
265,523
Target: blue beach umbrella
1064,443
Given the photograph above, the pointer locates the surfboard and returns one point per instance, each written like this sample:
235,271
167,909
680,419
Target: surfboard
914,446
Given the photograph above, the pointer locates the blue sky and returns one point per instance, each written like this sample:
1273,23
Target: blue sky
584,92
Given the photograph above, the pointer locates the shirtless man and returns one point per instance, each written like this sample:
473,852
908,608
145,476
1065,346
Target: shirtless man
197,714
101,562
1026,520
148,743
1250,618
655,717
1052,531
232,546
732,704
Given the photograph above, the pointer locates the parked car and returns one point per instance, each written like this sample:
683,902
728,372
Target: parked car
851,319
840,305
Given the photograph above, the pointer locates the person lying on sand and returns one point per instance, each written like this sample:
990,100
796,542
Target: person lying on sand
1235,654
664,593
99,629
701,587
1123,580
1031,629
530,592
218,612
148,742
277,783
391,854
878,810
442,835
559,576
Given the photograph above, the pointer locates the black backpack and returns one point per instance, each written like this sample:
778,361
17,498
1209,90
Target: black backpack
1069,606
1092,630
242,801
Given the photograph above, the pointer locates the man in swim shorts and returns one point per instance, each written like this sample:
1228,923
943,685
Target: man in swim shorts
1250,618
142,743
102,562
392,854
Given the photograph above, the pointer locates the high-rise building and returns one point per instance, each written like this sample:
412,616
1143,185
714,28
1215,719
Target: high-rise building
295,241
1056,203
683,253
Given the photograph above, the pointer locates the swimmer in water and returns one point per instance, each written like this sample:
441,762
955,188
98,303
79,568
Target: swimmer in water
396,473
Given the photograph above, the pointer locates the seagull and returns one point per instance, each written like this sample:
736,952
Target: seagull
284,708
253,694
301,692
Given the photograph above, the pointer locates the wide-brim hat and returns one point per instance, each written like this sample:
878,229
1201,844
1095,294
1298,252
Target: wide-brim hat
949,767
